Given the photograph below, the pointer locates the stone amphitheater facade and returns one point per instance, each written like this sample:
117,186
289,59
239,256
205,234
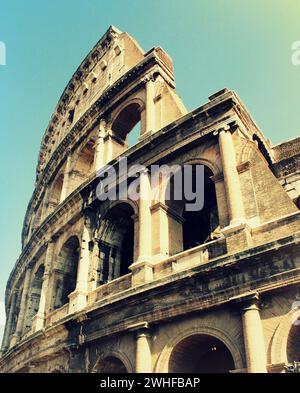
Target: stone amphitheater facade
143,285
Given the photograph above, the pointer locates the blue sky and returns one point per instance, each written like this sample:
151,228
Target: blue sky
244,45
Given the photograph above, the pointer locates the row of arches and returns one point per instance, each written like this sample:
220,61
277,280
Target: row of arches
117,242
195,353
198,353
126,127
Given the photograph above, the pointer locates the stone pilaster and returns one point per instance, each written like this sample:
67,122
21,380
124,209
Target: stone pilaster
23,307
142,270
66,181
78,298
143,355
150,110
160,232
8,325
39,319
99,149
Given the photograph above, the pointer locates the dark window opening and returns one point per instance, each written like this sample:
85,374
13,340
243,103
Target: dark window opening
34,296
71,116
200,226
67,271
127,125
293,343
116,244
110,365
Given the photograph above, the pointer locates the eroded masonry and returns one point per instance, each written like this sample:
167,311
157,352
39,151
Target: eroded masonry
147,286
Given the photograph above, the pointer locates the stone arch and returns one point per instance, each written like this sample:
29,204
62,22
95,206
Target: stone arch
159,195
66,271
126,121
116,241
181,219
162,364
113,362
55,191
281,350
84,163
134,100
251,149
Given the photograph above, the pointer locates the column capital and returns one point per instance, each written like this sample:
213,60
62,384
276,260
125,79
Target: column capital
148,78
145,171
248,302
141,329
102,127
230,126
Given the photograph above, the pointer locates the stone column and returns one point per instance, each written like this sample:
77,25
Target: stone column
66,181
150,110
143,356
23,307
142,269
9,321
78,298
145,217
99,150
253,336
231,178
39,319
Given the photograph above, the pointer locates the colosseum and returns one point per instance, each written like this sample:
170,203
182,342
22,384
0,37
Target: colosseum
146,285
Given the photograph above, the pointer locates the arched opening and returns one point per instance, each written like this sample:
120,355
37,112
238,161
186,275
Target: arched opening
127,125
66,272
201,353
111,365
116,243
191,228
293,343
34,296
55,193
84,165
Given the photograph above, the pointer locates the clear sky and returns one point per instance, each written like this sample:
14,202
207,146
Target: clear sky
244,45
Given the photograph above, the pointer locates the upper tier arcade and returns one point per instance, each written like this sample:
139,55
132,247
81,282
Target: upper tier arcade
118,87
